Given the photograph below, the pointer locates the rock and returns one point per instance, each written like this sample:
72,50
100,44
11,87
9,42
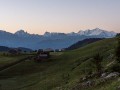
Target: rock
84,78
87,84
112,75
103,75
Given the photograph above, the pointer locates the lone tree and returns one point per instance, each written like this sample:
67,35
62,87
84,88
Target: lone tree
117,52
97,60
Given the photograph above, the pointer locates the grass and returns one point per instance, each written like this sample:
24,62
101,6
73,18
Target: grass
4,60
62,70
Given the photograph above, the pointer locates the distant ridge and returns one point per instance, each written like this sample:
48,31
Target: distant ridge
83,43
5,49
52,40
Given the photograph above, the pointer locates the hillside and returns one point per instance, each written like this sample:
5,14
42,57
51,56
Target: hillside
6,49
3,48
62,71
83,43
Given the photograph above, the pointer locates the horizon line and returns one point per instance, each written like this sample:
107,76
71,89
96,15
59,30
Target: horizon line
55,32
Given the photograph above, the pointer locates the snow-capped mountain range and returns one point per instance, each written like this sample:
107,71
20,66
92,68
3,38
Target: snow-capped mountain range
97,31
49,39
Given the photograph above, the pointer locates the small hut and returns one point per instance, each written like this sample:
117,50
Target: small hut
42,55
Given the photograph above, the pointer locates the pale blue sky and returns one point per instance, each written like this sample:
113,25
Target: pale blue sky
38,16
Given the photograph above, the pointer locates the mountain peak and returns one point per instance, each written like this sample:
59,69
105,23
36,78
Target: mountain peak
96,32
21,33
47,34
97,29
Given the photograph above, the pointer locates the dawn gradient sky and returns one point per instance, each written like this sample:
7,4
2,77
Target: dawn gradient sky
38,16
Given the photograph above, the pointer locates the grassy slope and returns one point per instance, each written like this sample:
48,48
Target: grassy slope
60,71
5,60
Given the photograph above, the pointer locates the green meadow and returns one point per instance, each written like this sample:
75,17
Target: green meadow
62,71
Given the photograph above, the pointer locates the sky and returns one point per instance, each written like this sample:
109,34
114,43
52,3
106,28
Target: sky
39,16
